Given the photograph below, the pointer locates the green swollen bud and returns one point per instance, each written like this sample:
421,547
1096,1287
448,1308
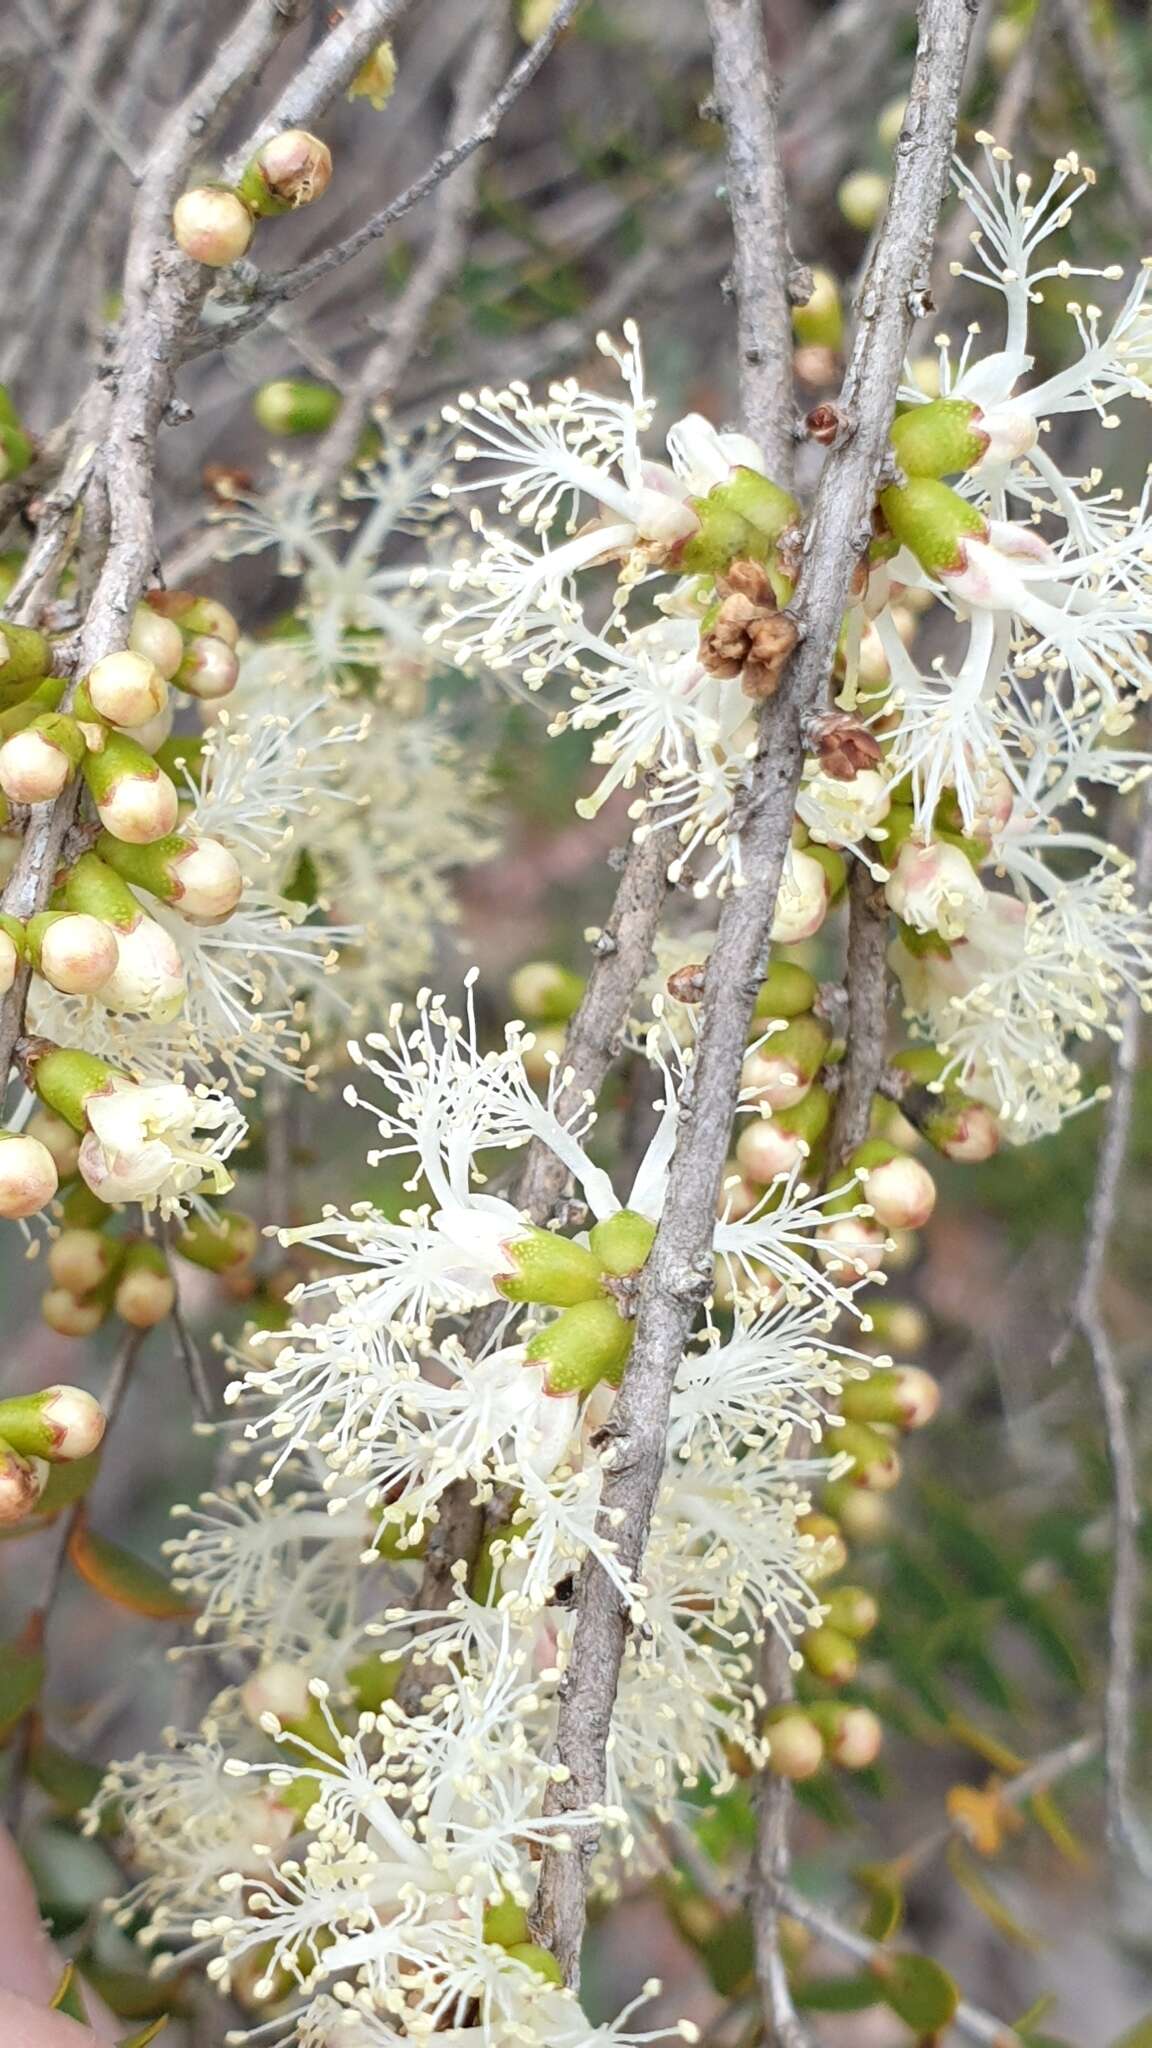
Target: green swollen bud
546,993
505,1923
766,507
81,1209
786,991
832,1552
291,170
622,1242
795,1744
24,653
587,1343
830,1654
93,887
923,1063
289,406
39,761
539,1959
65,1077
853,1735
932,521
218,1243
902,1396
60,1423
834,865
549,1269
135,801
940,438
741,518
875,1461
852,1610
819,322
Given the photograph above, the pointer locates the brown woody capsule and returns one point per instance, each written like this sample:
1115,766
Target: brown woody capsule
843,746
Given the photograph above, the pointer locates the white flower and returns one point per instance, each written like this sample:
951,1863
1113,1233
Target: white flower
142,1146
934,888
841,813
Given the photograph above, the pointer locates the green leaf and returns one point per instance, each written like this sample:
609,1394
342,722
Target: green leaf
146,2034
127,1580
67,1482
21,1676
885,1900
917,1989
837,1994
66,1997
984,1896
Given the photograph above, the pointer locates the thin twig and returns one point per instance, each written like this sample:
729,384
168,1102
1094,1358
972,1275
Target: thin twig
1015,1791
867,981
270,291
680,1267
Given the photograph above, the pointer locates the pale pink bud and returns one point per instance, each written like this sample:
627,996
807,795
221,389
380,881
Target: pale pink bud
212,227
295,166
75,1418
209,882
139,808
917,1395
802,904
159,640
78,1260
32,770
9,962
902,1192
69,1317
850,1247
209,668
57,1137
973,1135
857,1739
774,1079
126,689
77,954
1012,432
765,1151
149,975
28,1177
22,1481
145,1297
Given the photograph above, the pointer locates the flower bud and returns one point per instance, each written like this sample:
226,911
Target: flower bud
786,991
39,762
135,801
57,1137
28,1177
830,1655
22,1481
75,953
802,904
280,1689
549,1269
770,1146
24,654
289,406
934,888
544,992
586,1343
69,1317
152,734
541,1960
290,171
126,689
194,614
819,322
850,1248
547,1039
933,522
898,1188
157,640
621,1243
219,1245
60,1424
149,979
968,1133
82,1259
866,1516
780,1073
10,957
212,226
853,1735
200,878
862,197
795,1745
875,1459
145,1292
852,1610
831,1552
505,1923
209,669
738,1196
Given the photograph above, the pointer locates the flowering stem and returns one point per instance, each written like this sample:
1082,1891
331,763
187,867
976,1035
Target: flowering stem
679,1271
867,983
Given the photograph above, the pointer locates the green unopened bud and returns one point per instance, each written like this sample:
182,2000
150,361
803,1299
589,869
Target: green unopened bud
194,614
75,953
876,1461
60,1423
16,451
780,1071
852,1610
289,406
795,1744
830,1654
199,877
539,1959
853,1735
36,696
145,1292
219,1243
786,991
24,653
64,1078
741,518
905,1396
376,79
505,1923
93,886
37,763
939,439
135,801
834,865
819,322
862,197
550,1270
932,521
290,171
544,992
81,1259
622,1242
588,1343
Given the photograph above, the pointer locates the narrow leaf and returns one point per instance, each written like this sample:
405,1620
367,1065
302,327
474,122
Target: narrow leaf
127,1580
917,1989
885,1900
67,1482
837,1994
145,2034
66,1997
988,1900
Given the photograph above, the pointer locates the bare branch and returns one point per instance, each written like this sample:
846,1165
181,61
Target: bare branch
867,981
679,1270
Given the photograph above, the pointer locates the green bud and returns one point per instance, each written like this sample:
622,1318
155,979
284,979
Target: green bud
546,993
622,1242
290,406
218,1243
505,1923
830,1655
60,1424
540,1959
940,438
183,757
587,1343
551,1270
932,521
91,886
819,322
852,1610
24,653
64,1078
786,991
876,1462
742,517
834,865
